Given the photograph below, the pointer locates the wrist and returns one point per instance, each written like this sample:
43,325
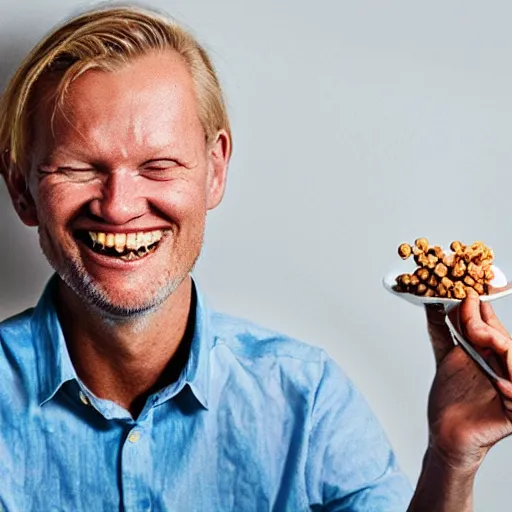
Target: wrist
463,464
453,467
443,486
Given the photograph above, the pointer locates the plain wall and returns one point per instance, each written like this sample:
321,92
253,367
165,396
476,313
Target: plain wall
357,126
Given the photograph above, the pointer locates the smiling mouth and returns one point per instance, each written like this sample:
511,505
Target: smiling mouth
124,246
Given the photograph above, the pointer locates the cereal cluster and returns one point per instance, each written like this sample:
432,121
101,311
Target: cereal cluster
446,275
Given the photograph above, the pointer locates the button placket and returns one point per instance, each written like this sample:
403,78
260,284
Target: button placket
136,469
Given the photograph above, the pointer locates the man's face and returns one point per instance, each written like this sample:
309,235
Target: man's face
122,182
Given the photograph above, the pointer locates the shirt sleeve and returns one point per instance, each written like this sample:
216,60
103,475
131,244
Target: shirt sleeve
350,464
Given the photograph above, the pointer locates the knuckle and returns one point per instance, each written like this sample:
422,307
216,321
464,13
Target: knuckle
474,328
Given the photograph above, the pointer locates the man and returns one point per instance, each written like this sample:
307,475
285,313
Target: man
122,389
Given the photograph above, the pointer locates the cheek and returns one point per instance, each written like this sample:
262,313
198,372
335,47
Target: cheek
59,202
181,199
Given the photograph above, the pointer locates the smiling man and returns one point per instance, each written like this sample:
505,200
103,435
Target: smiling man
121,183
122,389
119,188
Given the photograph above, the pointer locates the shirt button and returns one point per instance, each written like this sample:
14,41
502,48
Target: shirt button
83,398
134,436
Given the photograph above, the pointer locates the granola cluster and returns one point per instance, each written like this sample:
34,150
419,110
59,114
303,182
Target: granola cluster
446,275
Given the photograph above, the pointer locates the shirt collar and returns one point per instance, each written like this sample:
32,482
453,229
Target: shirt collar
197,370
54,366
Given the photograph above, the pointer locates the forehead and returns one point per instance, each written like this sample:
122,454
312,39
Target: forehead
148,101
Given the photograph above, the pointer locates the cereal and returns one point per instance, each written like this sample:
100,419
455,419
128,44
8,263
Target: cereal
421,289
432,261
448,283
459,290
414,282
432,281
422,273
421,259
404,251
441,270
447,275
479,288
459,268
441,290
468,280
421,244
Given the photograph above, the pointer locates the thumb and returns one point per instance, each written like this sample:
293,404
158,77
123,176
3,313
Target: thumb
438,331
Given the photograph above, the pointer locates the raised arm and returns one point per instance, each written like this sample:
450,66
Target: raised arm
467,415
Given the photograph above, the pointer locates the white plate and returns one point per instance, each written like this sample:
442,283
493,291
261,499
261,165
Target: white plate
389,281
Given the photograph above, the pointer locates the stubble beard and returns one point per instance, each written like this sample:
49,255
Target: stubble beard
91,294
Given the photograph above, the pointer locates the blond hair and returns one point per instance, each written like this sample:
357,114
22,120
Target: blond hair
103,39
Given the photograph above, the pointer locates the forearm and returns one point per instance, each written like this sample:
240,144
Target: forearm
442,488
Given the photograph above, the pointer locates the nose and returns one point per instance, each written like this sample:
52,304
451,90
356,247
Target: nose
120,199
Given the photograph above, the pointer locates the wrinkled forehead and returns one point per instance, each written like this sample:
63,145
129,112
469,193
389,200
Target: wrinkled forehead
150,99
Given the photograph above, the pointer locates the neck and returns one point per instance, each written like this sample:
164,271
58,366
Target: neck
127,361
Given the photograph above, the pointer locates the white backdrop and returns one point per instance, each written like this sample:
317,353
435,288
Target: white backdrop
357,125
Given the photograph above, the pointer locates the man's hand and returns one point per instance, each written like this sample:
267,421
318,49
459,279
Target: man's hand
467,413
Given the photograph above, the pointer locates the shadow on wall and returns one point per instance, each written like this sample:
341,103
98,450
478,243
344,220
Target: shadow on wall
13,52
23,268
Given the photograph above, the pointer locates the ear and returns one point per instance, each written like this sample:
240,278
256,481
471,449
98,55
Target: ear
18,190
219,153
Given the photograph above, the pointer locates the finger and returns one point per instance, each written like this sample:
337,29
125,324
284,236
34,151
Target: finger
508,362
479,332
482,335
469,311
496,362
505,388
490,318
439,333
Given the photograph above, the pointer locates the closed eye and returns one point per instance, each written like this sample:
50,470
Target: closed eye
76,174
160,170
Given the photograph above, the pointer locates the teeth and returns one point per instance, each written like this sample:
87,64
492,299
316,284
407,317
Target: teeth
110,240
120,242
123,241
129,257
131,241
148,238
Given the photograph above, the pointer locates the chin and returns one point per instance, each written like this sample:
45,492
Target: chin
117,298
123,302
120,302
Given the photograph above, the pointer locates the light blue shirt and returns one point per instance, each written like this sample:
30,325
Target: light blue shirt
256,422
